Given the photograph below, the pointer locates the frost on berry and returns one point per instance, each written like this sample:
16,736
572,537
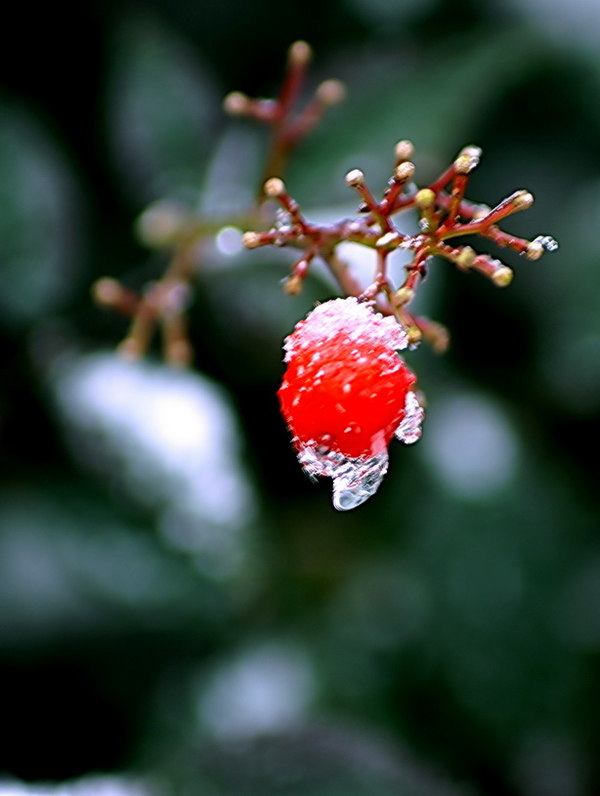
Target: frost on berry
409,430
345,393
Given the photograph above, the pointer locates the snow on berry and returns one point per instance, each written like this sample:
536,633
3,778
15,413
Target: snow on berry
345,393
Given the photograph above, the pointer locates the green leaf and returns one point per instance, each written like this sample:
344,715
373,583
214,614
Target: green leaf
70,565
251,291
161,107
437,99
39,224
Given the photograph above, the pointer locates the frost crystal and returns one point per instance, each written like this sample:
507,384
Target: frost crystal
355,319
547,241
410,430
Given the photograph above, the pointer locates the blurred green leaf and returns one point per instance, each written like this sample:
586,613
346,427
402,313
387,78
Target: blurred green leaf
570,339
40,223
162,104
70,566
250,289
435,98
497,571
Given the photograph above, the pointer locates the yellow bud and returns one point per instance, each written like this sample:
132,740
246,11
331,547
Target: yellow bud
404,150
163,223
251,240
330,92
274,187
465,258
404,171
404,295
106,291
355,177
300,52
425,198
521,200
467,159
236,103
292,285
502,277
414,334
534,251
471,151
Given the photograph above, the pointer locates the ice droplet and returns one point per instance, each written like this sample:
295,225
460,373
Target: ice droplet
354,480
548,242
357,480
409,430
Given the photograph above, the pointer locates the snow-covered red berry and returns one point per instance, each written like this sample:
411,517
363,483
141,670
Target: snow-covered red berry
345,393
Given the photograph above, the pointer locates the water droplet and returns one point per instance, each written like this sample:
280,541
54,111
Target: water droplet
409,430
548,242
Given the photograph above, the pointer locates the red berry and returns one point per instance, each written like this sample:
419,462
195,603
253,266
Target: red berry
346,390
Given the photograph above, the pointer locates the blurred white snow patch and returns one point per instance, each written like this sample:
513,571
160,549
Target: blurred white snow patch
87,786
470,444
169,439
267,687
361,259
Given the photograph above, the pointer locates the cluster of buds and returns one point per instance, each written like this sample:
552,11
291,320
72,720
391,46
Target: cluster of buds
346,391
187,236
444,214
287,128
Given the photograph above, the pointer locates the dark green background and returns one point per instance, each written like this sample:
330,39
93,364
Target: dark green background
450,635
